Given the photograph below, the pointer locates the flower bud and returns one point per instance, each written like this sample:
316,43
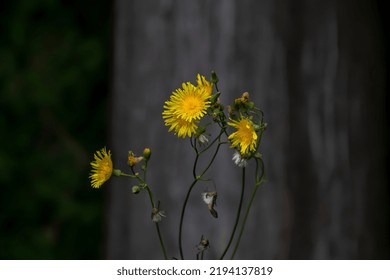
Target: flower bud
135,189
245,97
201,129
238,101
116,172
147,153
214,97
250,105
214,77
230,110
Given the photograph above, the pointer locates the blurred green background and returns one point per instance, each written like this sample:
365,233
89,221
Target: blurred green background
53,113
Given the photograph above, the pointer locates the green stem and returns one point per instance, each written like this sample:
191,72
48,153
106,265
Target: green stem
182,217
237,216
153,206
195,163
161,241
244,221
157,225
259,180
196,179
127,175
218,138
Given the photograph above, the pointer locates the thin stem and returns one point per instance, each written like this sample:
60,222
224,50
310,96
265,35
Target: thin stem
153,206
157,225
259,180
161,241
127,175
150,196
212,160
244,221
237,215
195,163
212,143
182,217
196,179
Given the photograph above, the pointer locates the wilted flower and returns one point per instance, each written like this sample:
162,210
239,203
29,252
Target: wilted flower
239,160
157,215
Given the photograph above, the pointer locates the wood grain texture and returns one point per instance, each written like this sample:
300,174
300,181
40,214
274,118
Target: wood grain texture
316,69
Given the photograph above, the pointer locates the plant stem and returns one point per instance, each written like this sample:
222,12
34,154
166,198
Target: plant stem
196,179
182,217
153,206
237,215
157,225
258,181
244,221
161,241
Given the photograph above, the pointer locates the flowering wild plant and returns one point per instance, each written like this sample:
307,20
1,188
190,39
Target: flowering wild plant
191,111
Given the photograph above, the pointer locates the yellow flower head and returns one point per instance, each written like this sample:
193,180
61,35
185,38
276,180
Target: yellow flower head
185,108
204,84
101,168
245,138
189,103
180,127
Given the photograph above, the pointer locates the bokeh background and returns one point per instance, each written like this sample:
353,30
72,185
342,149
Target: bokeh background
54,65
79,75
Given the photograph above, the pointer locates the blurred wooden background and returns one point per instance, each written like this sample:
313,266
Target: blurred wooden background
316,68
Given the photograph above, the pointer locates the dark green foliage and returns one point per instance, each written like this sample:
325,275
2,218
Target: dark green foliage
53,88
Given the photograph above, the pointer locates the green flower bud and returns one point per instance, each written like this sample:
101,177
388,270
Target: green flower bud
214,77
256,127
135,189
258,155
250,105
147,153
201,129
116,172
214,97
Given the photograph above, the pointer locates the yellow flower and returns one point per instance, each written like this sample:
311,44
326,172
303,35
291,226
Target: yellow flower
245,138
181,127
189,103
101,168
204,84
185,108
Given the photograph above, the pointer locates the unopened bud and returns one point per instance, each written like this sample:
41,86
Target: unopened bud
214,77
147,153
135,189
245,97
